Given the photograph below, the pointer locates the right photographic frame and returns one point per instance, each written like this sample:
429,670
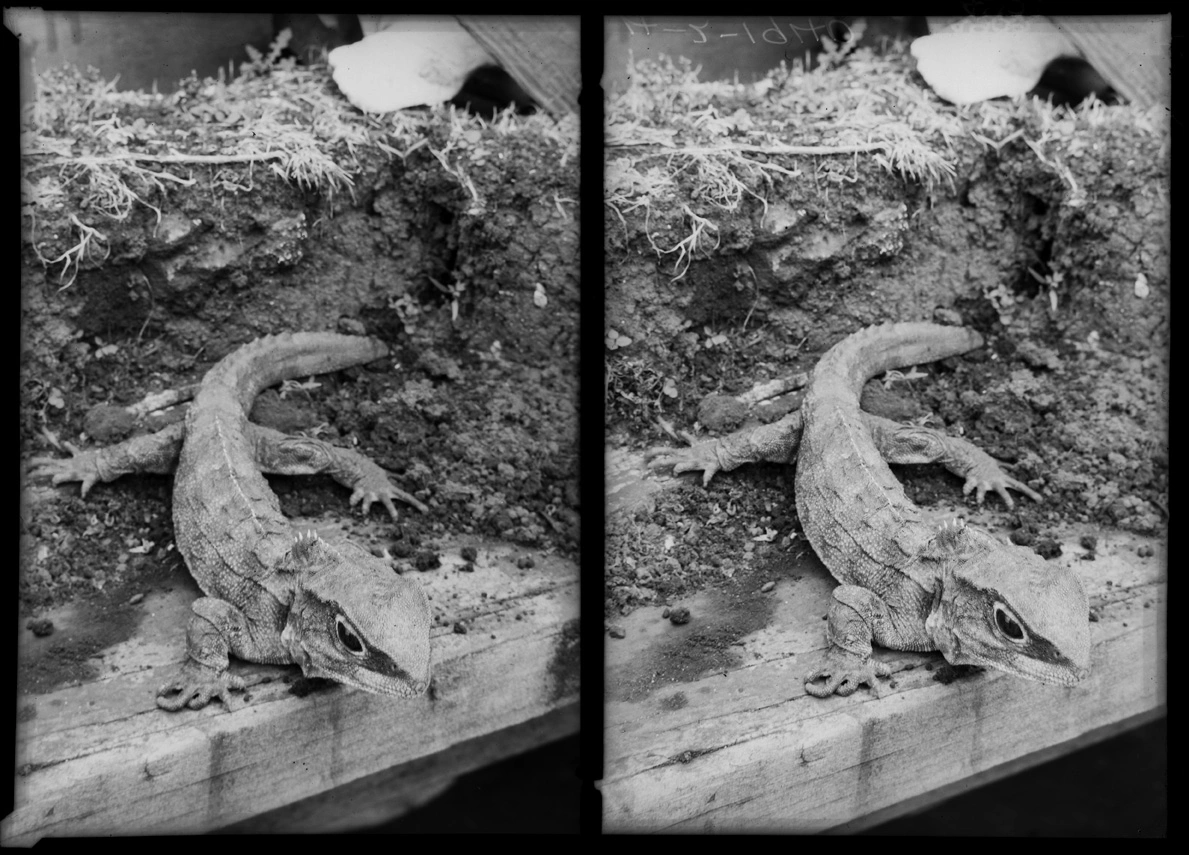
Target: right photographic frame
886,350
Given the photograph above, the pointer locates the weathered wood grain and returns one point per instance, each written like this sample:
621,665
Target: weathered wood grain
745,749
389,794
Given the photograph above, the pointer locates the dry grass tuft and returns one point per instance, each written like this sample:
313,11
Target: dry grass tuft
91,153
672,139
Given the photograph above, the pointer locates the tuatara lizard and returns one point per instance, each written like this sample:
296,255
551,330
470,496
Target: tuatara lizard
905,584
330,607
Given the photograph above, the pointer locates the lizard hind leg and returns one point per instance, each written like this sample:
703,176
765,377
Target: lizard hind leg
908,444
772,443
156,452
281,454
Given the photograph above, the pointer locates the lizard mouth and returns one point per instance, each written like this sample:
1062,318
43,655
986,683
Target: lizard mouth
1065,673
402,685
405,688
1057,676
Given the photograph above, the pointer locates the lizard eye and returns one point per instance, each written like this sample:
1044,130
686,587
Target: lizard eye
1007,623
348,637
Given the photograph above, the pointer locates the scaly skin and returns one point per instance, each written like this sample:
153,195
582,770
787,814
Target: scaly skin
905,584
332,608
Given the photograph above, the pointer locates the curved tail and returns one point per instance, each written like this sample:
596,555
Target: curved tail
273,358
861,356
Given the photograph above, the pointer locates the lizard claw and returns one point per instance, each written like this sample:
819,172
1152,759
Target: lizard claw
680,460
81,466
988,476
375,487
843,673
196,685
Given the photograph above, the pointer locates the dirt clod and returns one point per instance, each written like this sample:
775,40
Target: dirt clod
40,627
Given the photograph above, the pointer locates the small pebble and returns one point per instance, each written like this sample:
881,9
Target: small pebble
40,627
679,616
427,561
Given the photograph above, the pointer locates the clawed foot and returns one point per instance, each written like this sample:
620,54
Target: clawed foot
82,466
701,456
843,673
374,487
986,475
197,684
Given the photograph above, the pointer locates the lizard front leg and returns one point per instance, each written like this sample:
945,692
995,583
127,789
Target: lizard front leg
772,443
155,452
281,454
897,443
857,616
216,629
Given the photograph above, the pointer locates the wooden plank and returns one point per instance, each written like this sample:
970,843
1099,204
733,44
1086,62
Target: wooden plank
743,748
378,798
99,757
541,54
925,801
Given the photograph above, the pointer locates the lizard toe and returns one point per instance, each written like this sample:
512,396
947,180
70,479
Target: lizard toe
195,690
1025,489
366,496
988,476
696,458
81,466
661,457
844,674
826,688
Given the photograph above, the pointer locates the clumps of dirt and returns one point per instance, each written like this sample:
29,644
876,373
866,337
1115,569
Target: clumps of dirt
947,673
1089,435
693,537
75,545
678,616
108,614
705,643
721,413
108,424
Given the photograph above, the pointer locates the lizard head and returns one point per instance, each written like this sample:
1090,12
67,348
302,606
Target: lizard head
354,620
1003,606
